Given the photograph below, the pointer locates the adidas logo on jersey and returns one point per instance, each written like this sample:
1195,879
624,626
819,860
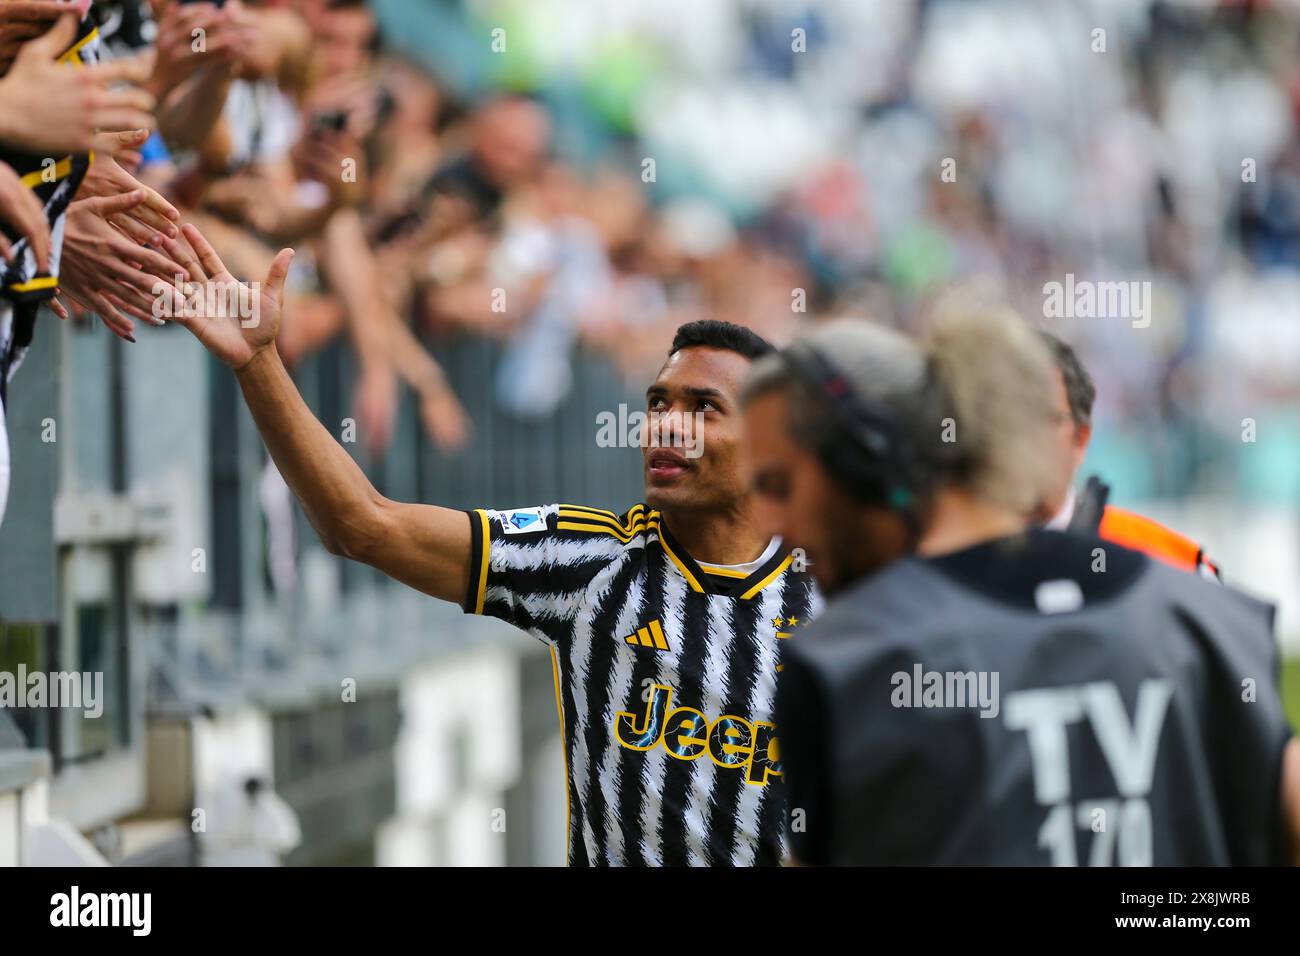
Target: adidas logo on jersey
731,742
649,635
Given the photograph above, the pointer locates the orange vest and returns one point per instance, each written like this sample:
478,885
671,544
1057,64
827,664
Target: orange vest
1140,533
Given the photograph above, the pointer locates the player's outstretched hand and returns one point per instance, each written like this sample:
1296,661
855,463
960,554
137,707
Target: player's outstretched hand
234,320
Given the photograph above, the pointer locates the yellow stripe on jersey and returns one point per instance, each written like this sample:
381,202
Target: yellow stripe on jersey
72,55
686,573
635,514
589,517
724,572
564,749
583,513
481,589
32,285
776,573
601,529
590,520
590,511
37,176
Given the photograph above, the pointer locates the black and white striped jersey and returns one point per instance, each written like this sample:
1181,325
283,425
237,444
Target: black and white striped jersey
54,180
665,679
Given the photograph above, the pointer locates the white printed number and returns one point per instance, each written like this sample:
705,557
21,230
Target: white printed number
1128,826
1121,826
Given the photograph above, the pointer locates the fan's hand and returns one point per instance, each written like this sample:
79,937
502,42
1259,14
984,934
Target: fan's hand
20,208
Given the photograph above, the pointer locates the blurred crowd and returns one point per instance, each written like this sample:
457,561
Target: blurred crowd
569,177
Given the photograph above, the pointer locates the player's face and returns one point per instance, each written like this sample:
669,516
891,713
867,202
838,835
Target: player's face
796,498
691,442
1069,446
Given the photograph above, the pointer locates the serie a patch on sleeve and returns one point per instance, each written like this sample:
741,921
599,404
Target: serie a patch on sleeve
522,520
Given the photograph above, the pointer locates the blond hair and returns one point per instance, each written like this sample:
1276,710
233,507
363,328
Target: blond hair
998,375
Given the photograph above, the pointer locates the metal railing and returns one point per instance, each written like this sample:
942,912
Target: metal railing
136,543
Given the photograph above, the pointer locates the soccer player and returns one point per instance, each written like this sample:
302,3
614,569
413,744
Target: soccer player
1065,507
978,691
663,621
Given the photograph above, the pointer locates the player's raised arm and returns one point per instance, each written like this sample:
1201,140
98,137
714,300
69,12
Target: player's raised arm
424,546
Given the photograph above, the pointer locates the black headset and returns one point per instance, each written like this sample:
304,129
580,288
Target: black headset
867,450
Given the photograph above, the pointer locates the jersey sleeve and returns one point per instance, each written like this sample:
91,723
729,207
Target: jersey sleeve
531,568
881,784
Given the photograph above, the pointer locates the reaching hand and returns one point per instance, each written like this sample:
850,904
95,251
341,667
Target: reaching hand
337,161
105,272
234,335
236,34
21,209
374,402
23,20
39,89
176,58
147,222
444,419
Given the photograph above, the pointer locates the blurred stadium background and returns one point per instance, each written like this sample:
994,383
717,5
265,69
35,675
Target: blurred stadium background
796,149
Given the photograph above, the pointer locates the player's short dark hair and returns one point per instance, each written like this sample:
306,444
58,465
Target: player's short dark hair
1080,392
716,334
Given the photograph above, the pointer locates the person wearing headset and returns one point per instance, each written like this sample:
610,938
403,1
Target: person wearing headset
980,690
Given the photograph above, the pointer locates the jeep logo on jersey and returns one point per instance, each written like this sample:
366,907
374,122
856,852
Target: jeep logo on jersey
731,742
523,520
